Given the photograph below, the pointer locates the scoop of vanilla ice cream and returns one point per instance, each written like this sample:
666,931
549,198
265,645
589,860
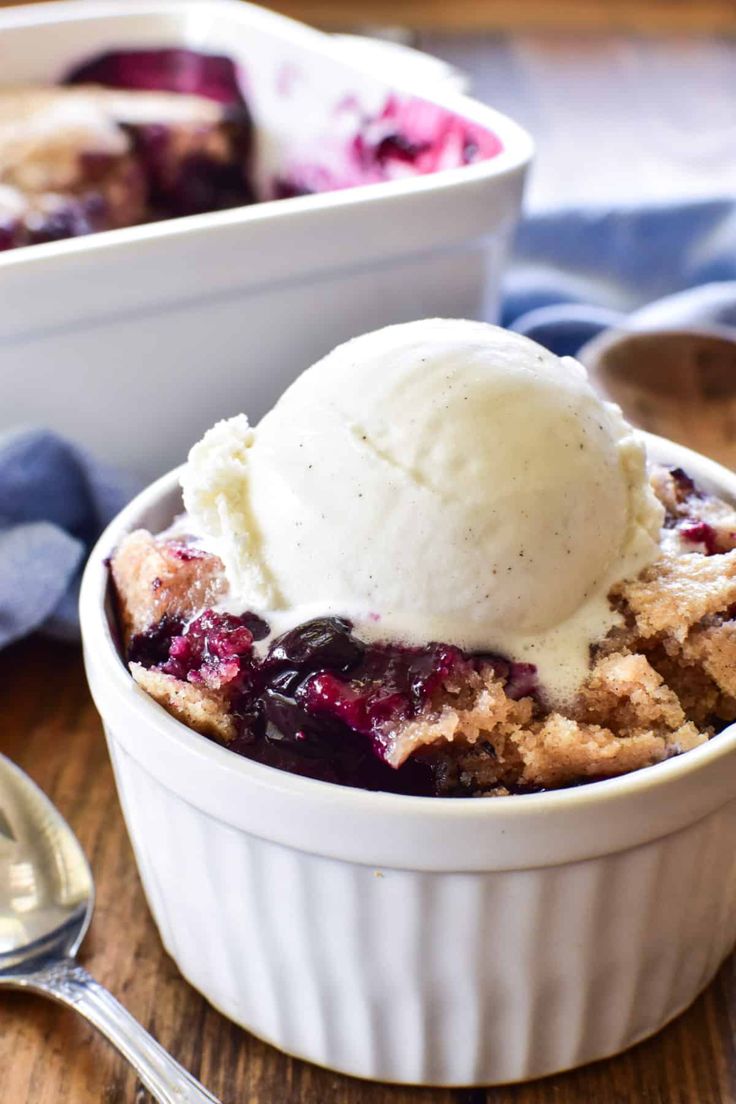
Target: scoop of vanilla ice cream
439,480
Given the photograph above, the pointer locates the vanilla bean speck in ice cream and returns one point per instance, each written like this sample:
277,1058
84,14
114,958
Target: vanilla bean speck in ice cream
438,480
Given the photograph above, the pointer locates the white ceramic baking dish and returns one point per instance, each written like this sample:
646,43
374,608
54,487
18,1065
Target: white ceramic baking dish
424,940
134,341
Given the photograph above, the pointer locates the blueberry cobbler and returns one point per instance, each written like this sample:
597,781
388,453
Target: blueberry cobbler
440,566
83,158
143,135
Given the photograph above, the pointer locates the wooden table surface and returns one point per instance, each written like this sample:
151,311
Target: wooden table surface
48,1055
646,16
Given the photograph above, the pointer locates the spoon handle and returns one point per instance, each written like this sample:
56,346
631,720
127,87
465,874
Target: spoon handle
69,983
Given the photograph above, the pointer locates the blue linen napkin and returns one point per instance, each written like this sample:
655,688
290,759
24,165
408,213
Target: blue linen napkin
54,501
578,271
574,273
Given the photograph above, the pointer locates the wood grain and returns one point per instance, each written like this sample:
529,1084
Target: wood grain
646,16
49,1056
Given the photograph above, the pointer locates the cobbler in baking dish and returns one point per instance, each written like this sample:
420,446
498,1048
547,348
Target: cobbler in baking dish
137,136
84,158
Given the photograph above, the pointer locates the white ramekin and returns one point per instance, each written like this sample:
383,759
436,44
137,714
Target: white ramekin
207,315
421,940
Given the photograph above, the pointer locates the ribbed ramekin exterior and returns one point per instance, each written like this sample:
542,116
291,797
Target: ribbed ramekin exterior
433,977
501,941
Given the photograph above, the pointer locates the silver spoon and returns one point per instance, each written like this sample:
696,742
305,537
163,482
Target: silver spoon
46,902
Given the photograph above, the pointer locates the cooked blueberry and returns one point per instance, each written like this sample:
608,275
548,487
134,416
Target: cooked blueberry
286,680
259,629
319,701
686,486
152,646
398,147
522,681
289,724
326,643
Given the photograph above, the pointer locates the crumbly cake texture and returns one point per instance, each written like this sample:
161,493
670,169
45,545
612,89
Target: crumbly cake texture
74,161
660,684
202,709
156,579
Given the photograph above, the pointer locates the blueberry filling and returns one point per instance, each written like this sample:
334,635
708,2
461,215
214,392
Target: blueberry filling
285,188
176,170
700,532
319,702
152,647
195,183
692,529
398,147
71,219
168,70
686,487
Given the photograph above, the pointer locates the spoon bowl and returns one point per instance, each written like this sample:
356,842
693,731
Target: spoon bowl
679,384
46,903
46,886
